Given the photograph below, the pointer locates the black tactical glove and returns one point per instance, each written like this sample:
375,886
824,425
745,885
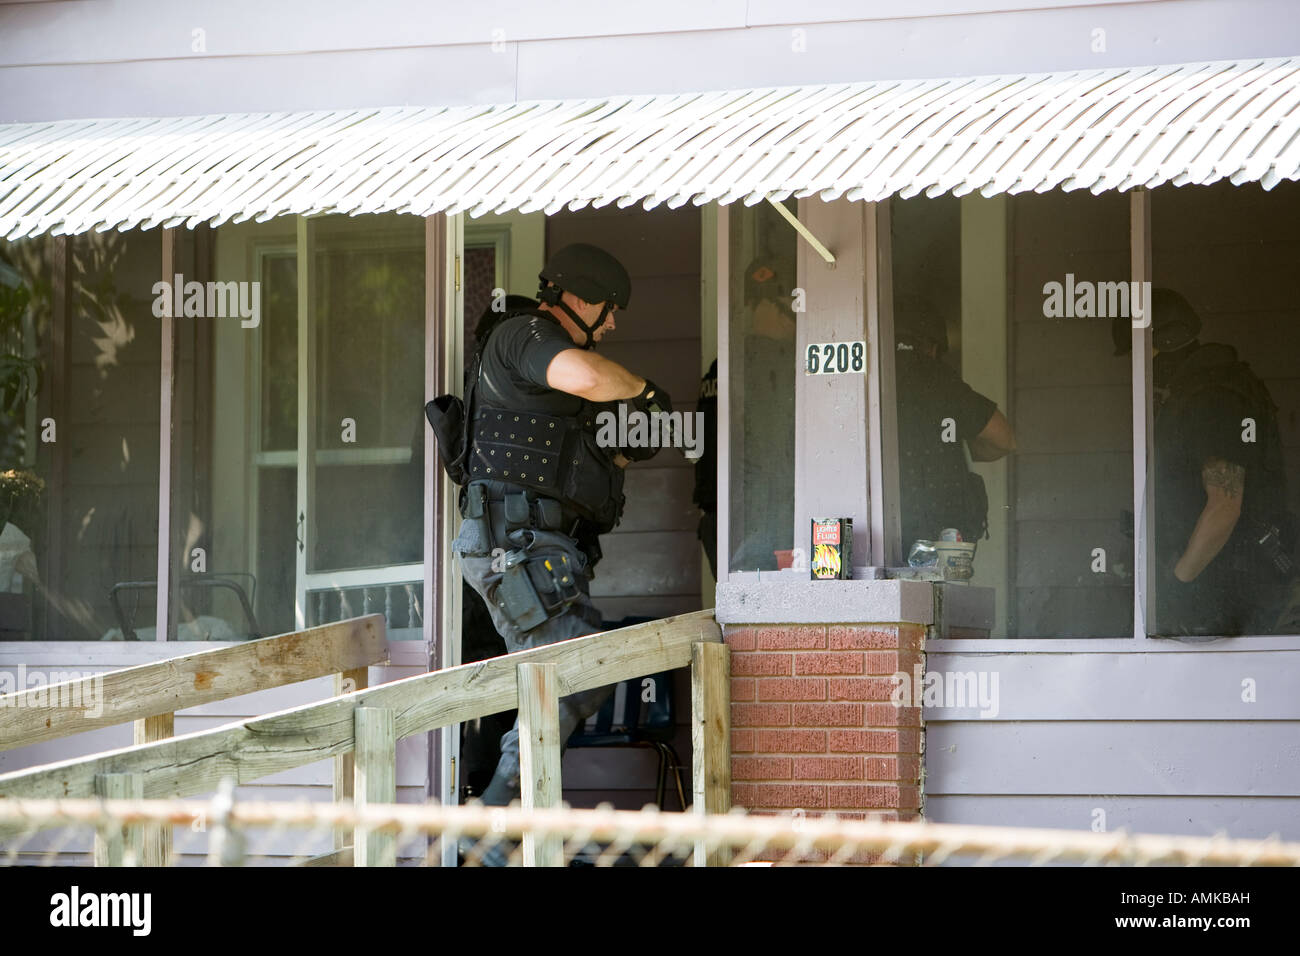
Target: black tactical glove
652,400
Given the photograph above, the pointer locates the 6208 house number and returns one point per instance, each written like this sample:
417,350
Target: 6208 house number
835,358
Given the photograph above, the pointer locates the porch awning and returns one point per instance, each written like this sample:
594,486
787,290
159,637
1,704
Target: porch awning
1096,130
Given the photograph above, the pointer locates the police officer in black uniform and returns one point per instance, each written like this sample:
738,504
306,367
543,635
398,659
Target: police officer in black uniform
937,413
540,487
1224,537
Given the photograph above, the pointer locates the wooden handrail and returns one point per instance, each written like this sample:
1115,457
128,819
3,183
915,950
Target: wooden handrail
246,750
160,689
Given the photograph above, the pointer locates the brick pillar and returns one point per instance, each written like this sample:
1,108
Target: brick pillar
813,728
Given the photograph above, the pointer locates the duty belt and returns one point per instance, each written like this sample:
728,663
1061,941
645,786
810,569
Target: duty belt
508,508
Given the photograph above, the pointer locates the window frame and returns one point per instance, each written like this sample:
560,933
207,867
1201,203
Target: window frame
882,440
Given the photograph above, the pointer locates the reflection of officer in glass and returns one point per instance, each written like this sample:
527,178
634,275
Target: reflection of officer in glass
540,487
1223,536
937,413
766,468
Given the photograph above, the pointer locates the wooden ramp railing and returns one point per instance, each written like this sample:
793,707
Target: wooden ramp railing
368,722
151,694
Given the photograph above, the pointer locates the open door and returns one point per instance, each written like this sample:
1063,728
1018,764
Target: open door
360,475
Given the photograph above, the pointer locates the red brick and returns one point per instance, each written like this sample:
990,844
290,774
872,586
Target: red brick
794,796
742,741
893,662
905,768
864,741
909,741
739,638
791,688
742,688
753,664
868,796
760,715
828,768
888,715
866,637
829,715
815,857
882,768
792,637
791,741
861,688
904,740
760,768
829,662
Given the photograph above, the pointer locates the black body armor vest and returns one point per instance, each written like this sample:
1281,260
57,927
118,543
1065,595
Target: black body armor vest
555,456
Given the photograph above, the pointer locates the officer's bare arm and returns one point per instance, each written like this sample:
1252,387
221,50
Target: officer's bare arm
591,376
996,440
1224,485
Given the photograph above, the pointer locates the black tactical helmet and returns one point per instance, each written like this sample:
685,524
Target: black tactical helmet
590,273
918,323
1174,324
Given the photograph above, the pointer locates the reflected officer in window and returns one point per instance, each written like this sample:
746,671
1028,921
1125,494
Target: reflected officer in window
938,413
1222,563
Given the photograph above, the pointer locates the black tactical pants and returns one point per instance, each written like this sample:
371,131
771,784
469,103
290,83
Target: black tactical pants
474,548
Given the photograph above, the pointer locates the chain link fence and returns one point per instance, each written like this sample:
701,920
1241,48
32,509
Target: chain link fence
222,832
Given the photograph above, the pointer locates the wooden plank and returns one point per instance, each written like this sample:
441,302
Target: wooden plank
838,444
194,764
343,856
1189,758
1244,817
539,756
1068,613
181,682
117,845
345,764
711,738
157,840
376,754
648,563
1228,681
882,430
659,497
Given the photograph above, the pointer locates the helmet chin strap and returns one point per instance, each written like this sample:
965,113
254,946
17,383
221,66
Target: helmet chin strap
587,330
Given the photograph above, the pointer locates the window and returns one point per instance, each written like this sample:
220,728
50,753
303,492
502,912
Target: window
763,367
79,437
1225,441
977,336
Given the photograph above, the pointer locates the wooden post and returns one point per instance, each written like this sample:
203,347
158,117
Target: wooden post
375,781
539,755
157,840
345,765
711,738
111,843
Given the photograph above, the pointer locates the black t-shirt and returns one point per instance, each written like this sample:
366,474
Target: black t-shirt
932,472
515,358
1203,418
